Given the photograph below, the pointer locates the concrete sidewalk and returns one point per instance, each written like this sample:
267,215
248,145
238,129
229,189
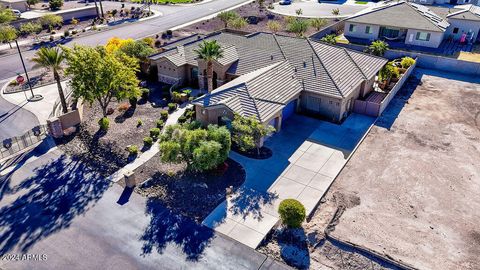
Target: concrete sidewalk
307,156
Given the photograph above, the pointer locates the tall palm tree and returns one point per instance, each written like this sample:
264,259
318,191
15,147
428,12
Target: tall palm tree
209,50
52,58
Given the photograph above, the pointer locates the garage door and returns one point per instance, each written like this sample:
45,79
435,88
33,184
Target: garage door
289,110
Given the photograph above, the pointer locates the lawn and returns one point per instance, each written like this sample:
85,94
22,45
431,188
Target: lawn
469,56
361,2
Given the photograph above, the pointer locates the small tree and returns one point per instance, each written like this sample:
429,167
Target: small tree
377,48
248,132
209,50
318,23
292,213
298,26
299,12
8,34
138,49
30,28
55,4
330,39
6,15
335,12
32,2
227,16
52,58
274,26
97,75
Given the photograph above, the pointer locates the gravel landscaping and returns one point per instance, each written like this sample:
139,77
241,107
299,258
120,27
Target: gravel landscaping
191,194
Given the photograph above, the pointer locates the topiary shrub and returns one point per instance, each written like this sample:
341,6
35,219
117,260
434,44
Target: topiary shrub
104,123
148,141
172,106
292,213
132,150
164,115
182,119
154,133
160,123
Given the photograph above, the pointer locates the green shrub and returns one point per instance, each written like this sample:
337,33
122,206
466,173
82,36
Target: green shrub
66,33
182,119
104,123
30,28
292,213
55,4
139,122
170,151
145,93
164,115
148,141
132,150
50,21
206,156
407,62
160,123
172,106
154,133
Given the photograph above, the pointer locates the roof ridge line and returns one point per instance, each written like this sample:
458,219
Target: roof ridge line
321,63
269,101
372,9
356,65
280,47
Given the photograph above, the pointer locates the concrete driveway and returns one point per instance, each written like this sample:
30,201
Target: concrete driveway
314,9
58,208
307,156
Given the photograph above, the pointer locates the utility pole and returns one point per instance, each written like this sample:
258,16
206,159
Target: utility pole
96,8
33,97
101,8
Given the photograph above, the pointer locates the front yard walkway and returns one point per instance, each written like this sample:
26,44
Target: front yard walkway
307,156
147,155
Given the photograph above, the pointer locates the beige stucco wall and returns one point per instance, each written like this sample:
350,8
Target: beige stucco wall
435,39
169,73
210,115
317,104
360,31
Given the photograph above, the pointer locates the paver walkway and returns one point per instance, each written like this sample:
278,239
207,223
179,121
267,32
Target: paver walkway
307,156
147,155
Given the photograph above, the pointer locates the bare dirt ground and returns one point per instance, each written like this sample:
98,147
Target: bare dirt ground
415,179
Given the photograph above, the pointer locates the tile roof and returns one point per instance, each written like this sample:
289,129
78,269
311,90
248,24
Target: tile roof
260,93
319,68
469,12
403,15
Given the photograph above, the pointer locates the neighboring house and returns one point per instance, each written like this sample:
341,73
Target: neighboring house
271,77
445,2
462,19
404,22
20,5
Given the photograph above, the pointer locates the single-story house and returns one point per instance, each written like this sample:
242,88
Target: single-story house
401,21
463,19
20,5
270,76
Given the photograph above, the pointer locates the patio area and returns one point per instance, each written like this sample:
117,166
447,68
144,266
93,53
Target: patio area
447,47
307,156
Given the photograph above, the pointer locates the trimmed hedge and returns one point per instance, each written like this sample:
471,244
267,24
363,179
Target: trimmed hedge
292,213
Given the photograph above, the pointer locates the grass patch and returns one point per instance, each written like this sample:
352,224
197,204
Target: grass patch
468,56
361,2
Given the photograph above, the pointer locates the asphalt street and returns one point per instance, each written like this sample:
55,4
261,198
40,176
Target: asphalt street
15,121
172,16
59,209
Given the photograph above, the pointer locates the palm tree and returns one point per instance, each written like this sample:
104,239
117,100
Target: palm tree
209,50
52,58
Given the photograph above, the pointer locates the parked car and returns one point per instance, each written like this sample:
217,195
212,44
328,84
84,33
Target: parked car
17,12
285,2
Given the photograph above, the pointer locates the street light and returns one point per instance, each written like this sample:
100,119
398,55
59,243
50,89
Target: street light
33,97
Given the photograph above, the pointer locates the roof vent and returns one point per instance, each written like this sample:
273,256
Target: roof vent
295,69
271,57
304,64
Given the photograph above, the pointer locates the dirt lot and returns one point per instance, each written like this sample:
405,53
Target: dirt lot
416,177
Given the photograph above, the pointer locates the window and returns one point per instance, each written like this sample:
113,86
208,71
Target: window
455,30
338,104
423,36
368,30
352,28
330,102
